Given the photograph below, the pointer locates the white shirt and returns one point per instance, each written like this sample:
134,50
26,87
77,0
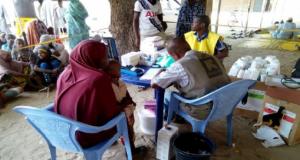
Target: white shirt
64,55
59,13
4,20
47,13
175,73
147,28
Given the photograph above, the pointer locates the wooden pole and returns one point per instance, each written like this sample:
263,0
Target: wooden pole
208,7
248,13
274,10
218,15
263,13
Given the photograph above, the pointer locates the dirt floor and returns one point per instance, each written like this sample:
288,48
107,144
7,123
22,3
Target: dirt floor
19,141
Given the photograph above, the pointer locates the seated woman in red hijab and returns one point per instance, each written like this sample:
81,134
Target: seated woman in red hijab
84,91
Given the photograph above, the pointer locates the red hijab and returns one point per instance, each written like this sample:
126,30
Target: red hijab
84,91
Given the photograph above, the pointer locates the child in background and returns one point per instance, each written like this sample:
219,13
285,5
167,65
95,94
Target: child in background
22,54
8,46
2,39
121,93
58,50
47,66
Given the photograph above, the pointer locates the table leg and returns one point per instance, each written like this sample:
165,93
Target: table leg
159,96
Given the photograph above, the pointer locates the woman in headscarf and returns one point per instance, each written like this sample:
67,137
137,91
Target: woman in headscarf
57,49
77,28
34,30
84,91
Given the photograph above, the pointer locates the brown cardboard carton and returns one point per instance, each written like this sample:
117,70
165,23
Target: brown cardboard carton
255,98
290,123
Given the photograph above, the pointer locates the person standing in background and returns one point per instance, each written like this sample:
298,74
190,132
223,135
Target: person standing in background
4,20
25,13
25,8
34,30
189,10
59,18
78,30
39,8
148,20
47,13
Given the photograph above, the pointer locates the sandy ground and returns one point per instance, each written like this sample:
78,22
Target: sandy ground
19,141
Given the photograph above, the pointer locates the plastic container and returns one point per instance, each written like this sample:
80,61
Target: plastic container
148,121
193,146
150,105
131,59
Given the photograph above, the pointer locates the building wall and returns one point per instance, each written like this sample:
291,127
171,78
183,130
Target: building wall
235,13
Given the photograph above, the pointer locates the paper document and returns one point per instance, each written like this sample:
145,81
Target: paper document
150,74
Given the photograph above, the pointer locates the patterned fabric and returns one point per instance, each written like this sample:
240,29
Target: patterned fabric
19,81
35,29
186,15
8,66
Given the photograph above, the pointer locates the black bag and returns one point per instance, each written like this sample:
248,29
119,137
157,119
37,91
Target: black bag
296,71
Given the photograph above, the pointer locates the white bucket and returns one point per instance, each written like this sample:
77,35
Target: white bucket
147,121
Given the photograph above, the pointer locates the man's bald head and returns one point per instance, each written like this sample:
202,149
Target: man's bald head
177,47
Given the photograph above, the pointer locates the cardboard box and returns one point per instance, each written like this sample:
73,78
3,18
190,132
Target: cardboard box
255,100
289,127
256,97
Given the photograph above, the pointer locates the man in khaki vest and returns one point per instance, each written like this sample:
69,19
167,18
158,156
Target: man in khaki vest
194,74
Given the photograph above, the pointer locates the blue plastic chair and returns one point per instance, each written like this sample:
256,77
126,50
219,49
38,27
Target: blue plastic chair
60,132
112,48
224,100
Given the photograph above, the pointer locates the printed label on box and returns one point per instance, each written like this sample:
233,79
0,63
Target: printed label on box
255,100
287,121
270,108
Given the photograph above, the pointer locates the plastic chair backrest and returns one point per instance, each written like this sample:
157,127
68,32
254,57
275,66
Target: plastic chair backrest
57,130
112,48
226,98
